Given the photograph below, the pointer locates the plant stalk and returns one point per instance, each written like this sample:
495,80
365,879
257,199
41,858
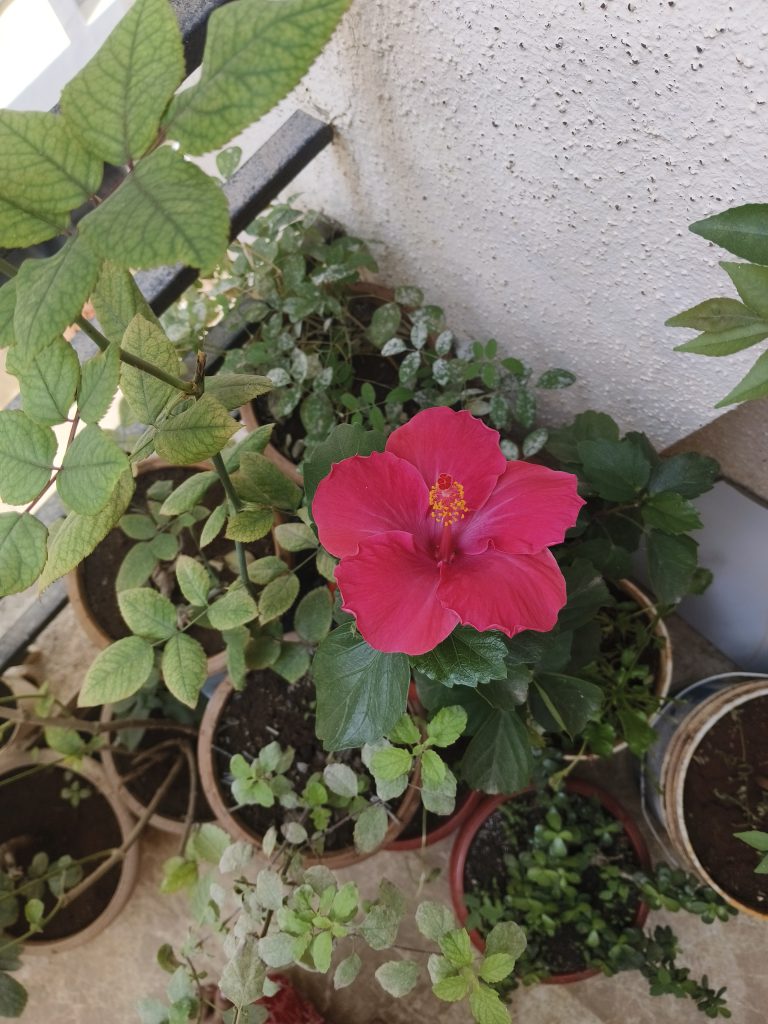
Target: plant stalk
236,506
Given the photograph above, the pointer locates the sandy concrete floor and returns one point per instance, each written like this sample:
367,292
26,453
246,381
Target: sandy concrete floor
101,982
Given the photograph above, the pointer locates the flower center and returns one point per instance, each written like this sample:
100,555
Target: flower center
446,500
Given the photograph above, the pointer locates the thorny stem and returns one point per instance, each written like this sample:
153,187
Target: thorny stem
189,387
236,506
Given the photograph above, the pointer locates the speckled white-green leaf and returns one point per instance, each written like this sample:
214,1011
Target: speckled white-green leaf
78,535
256,51
26,457
117,300
50,293
7,309
90,469
118,672
184,668
47,380
44,173
99,378
166,211
115,103
199,432
146,395
22,551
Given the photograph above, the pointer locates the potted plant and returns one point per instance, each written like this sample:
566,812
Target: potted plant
708,766
572,867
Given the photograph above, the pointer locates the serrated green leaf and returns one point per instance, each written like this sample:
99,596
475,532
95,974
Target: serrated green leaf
117,301
465,658
7,309
115,103
235,608
390,763
242,980
184,668
447,726
292,663
618,470
456,947
256,442
688,474
498,758
27,450
277,597
236,389
50,293
361,692
347,970
340,779
314,615
99,379
277,950
166,211
47,380
78,535
255,53
22,551
207,842
260,481
742,230
506,937
405,732
119,671
250,524
451,989
146,395
188,494
371,828
44,173
196,434
671,565
193,579
213,525
136,568
380,926
398,977
487,1007
434,920
147,613
753,385
564,703
295,537
91,467
165,546
670,513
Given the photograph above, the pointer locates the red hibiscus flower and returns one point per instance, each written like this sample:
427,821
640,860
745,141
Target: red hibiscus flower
439,529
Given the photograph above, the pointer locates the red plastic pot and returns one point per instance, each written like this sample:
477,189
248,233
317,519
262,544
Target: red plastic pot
288,1007
487,807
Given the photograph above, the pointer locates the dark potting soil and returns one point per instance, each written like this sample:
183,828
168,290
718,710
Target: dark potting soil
99,570
144,786
268,709
34,818
485,872
726,791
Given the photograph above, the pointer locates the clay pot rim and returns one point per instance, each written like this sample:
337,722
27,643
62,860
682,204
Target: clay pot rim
682,746
449,826
470,828
209,779
128,867
159,821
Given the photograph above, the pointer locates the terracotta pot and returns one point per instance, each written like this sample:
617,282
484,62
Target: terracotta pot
449,825
682,727
128,868
134,805
382,294
79,599
471,827
663,678
218,798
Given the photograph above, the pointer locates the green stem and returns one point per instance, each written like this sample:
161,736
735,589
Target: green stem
187,386
236,506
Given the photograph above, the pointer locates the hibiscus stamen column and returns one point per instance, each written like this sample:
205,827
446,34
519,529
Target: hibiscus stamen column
447,504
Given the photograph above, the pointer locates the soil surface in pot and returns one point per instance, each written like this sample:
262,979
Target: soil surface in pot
155,770
269,709
99,570
36,819
726,791
485,872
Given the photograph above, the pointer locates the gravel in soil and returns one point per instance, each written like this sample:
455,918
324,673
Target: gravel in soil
726,791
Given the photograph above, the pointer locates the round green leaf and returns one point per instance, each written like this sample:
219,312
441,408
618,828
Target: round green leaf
27,450
89,471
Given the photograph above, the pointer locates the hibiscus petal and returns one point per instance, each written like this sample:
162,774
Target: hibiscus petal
367,495
496,590
391,586
440,440
530,509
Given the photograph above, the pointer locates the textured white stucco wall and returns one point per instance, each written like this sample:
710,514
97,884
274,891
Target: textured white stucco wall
535,166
